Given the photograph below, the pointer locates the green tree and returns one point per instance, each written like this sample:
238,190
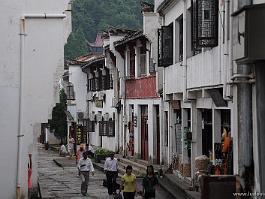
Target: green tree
58,122
76,45
91,16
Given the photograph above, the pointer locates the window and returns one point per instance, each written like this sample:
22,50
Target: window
91,82
106,80
70,92
132,62
111,81
111,128
206,22
103,128
107,128
100,83
165,46
194,46
180,46
143,60
91,125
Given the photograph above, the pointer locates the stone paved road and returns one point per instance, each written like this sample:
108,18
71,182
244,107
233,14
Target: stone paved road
57,182
63,183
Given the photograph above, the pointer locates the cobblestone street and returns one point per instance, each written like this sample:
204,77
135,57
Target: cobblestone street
64,183
58,182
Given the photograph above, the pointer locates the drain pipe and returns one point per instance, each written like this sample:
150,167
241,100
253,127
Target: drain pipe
226,54
245,123
184,63
20,135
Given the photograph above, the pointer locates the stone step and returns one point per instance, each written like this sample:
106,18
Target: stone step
177,187
136,171
134,164
146,163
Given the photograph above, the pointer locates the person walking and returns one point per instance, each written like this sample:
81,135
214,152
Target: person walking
85,166
111,170
79,155
71,146
149,183
128,183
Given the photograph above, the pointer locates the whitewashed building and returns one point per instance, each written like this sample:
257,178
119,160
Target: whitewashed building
132,58
194,51
212,55
31,62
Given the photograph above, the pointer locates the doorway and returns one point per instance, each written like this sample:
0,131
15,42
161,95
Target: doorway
144,132
157,134
207,132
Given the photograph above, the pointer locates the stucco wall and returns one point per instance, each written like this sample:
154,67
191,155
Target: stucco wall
79,80
43,62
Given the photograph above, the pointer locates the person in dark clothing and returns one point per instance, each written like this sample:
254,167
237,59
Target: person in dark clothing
149,183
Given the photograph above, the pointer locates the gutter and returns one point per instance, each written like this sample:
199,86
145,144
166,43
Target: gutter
20,134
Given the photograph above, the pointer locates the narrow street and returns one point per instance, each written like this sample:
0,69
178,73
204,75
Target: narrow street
64,183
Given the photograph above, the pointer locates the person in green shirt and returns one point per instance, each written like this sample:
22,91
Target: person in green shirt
128,183
149,183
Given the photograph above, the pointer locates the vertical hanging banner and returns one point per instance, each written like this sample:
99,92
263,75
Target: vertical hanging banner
78,134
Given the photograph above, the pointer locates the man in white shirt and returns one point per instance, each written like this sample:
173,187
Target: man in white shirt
85,166
111,170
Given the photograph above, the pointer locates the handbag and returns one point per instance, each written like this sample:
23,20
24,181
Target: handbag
105,183
117,195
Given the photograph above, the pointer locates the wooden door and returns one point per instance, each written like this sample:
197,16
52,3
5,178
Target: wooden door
157,135
144,133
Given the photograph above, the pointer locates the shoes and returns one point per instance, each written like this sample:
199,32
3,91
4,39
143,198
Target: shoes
84,194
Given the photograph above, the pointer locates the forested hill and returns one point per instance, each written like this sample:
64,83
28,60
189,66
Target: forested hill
91,16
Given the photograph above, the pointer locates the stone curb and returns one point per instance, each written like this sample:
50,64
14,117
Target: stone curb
58,163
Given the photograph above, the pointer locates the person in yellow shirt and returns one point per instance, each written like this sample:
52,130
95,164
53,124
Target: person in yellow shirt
128,183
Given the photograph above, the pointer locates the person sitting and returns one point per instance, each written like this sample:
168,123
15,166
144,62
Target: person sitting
63,151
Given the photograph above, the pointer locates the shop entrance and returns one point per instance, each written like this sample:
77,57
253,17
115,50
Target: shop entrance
207,132
178,133
144,132
157,134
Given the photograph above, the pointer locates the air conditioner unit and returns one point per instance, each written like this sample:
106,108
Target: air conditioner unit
89,96
80,115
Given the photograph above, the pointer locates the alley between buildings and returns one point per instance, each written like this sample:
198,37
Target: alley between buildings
64,182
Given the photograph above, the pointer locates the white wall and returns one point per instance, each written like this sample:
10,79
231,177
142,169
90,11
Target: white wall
205,69
43,62
157,3
174,74
107,142
79,80
137,130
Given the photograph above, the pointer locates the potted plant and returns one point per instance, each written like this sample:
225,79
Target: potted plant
101,154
